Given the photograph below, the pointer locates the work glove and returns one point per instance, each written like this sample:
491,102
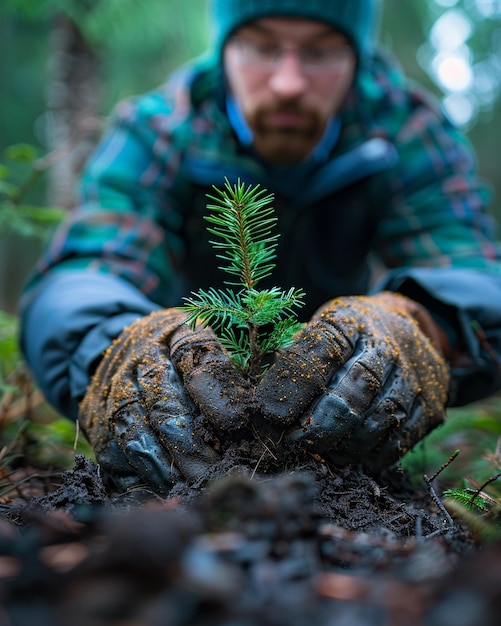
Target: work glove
141,410
363,382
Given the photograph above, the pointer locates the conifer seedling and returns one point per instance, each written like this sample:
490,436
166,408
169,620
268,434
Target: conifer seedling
250,323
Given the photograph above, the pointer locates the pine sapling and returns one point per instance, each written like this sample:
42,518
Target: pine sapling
250,323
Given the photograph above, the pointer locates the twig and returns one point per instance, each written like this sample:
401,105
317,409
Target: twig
436,533
77,435
478,491
27,479
443,466
434,496
256,433
419,529
437,500
258,463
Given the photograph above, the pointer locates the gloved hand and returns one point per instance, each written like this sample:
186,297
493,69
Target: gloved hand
364,381
139,413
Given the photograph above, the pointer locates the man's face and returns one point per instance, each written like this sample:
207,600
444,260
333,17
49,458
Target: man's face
289,77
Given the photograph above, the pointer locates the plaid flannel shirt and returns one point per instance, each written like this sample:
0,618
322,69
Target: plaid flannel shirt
399,191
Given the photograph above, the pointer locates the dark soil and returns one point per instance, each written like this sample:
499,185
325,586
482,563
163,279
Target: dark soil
271,536
312,545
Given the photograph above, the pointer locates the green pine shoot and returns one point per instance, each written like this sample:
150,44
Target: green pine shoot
468,498
251,324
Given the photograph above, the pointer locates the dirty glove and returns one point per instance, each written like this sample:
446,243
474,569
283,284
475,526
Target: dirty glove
140,411
363,383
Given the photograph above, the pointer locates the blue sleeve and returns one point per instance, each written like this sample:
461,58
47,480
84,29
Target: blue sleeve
468,303
67,322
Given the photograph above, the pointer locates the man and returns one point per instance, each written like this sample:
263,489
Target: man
364,168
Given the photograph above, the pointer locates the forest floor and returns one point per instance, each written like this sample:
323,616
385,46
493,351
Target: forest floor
311,545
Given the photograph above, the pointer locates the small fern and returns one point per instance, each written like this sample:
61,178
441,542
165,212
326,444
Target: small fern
250,323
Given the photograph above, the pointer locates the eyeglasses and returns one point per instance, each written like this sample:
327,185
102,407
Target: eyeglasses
313,59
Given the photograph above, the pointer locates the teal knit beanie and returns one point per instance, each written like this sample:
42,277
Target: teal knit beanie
356,18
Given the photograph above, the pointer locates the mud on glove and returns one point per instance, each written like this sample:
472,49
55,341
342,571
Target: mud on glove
364,381
140,412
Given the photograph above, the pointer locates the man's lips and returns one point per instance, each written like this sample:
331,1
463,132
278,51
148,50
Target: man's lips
287,119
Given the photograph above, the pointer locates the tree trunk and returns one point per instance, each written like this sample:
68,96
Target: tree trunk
73,97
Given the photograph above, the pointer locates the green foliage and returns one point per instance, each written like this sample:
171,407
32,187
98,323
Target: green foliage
21,437
55,442
477,508
34,436
468,498
475,430
21,152
18,176
115,22
251,323
484,529
470,480
10,358
243,220
137,43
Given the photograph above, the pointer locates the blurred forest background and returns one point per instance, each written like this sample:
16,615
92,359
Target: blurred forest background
65,63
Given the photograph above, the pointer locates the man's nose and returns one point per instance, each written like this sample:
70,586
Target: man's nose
288,78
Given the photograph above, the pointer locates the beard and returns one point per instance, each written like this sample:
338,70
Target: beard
286,133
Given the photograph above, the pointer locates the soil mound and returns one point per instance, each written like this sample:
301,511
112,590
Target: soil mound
313,545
